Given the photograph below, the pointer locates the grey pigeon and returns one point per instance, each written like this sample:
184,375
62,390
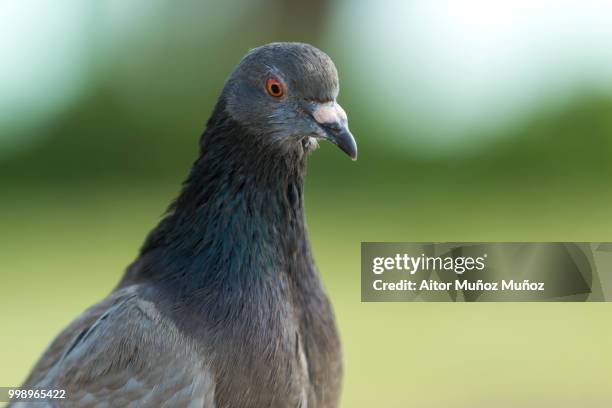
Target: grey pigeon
223,306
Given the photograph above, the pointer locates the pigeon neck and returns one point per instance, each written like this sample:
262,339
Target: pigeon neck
240,215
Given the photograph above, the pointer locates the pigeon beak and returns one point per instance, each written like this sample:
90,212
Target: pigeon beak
332,119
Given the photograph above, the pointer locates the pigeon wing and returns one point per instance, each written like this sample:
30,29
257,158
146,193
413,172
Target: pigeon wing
131,355
58,346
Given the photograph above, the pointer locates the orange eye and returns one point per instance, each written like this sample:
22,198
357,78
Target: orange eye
275,88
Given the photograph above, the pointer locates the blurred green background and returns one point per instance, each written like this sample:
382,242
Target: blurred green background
476,121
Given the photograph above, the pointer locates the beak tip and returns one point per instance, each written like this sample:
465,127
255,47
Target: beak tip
351,149
348,147
346,142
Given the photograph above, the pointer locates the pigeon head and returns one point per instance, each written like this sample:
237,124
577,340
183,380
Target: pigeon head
285,95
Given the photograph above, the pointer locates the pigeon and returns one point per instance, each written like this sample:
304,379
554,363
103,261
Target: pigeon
223,306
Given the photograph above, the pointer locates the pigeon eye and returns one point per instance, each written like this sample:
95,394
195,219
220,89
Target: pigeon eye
275,88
